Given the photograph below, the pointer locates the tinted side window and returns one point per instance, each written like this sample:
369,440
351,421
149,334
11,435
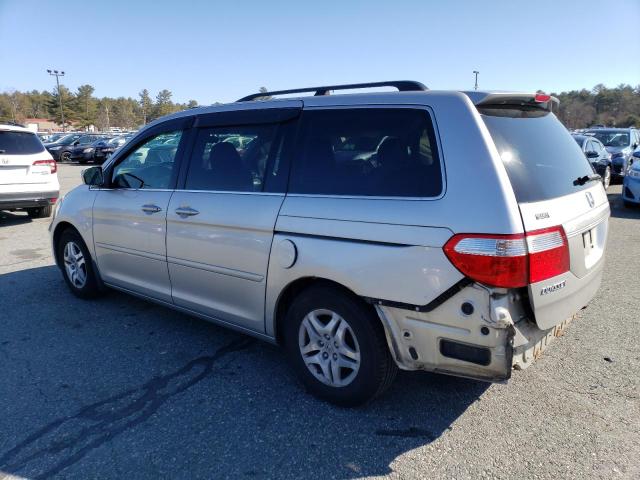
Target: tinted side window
232,158
151,165
367,152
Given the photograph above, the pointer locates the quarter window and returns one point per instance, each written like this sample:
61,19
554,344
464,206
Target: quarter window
151,165
367,152
233,158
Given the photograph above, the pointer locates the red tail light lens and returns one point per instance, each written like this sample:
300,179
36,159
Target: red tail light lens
542,97
510,261
51,163
548,253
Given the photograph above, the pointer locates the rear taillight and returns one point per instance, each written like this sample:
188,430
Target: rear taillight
548,253
510,261
51,163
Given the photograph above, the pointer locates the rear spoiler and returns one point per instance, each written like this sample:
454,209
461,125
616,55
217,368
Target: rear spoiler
537,100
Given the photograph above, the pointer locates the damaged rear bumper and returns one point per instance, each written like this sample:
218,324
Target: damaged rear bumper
480,333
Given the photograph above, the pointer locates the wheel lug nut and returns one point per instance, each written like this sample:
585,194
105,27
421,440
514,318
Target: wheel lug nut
335,357
325,355
335,344
321,343
326,335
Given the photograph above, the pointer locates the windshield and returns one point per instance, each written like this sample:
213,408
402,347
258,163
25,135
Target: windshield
19,143
612,139
540,157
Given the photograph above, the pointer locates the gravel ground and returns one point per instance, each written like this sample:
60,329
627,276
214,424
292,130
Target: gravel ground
119,388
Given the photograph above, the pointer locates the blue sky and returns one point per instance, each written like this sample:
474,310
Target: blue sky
221,50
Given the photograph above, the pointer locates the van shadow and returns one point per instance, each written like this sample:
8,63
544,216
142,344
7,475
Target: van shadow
195,399
8,219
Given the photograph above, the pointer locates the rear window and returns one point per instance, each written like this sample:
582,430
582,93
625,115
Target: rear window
540,156
367,152
19,143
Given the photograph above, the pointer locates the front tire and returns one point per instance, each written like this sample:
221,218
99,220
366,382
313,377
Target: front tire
65,157
40,212
337,347
76,264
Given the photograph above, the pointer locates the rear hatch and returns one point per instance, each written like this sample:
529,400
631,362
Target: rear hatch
555,186
23,159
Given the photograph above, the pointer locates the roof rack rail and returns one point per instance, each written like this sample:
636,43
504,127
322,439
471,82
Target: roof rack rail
401,85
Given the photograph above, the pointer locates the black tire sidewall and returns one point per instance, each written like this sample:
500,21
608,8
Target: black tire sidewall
90,288
370,375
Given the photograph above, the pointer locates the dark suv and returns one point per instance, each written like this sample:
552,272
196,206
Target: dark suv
620,143
61,150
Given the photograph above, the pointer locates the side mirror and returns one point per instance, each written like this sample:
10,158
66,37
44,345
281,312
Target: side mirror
636,154
93,176
592,154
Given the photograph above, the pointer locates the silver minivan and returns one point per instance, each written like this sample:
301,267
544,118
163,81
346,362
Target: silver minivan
453,232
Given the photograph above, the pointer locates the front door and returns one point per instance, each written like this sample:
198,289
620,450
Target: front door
220,224
130,216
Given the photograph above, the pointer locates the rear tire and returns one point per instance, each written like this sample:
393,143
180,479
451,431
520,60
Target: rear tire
337,347
65,157
76,265
40,212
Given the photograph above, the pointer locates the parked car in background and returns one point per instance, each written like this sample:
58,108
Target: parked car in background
334,231
104,148
597,155
631,183
28,173
83,153
61,149
620,143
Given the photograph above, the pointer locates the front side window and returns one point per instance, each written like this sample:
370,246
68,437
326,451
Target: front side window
367,152
151,165
232,158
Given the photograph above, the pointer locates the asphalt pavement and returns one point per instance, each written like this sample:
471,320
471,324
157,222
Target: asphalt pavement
118,387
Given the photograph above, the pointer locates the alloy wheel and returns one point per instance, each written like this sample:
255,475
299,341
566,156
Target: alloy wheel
75,265
329,348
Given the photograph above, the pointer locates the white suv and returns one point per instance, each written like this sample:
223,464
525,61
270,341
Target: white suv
28,174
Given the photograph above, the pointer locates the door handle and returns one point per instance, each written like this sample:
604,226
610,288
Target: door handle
151,208
185,212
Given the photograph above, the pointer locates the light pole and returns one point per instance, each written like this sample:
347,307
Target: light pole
58,74
476,72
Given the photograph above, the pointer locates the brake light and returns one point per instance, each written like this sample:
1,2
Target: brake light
510,261
51,163
542,97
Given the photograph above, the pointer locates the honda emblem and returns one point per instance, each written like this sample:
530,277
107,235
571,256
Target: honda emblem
590,199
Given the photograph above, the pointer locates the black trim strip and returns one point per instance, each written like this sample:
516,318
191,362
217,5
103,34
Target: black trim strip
432,305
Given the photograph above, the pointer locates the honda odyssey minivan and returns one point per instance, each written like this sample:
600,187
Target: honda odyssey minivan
453,232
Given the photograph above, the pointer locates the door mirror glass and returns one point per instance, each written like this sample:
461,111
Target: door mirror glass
592,154
93,176
636,154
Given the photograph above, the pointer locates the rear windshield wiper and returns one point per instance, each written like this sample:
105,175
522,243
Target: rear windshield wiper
586,179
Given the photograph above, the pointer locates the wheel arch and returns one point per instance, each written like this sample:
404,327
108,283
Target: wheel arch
57,233
294,288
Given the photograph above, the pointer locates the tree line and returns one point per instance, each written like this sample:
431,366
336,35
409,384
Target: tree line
612,107
615,107
82,109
